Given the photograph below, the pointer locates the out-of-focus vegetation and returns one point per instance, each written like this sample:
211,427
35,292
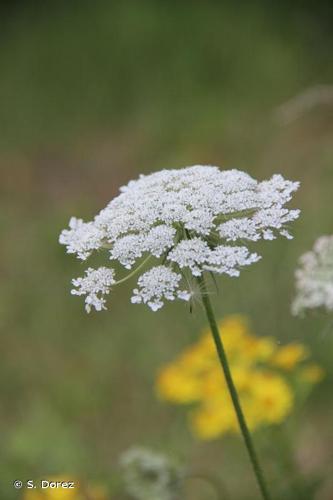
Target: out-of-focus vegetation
92,94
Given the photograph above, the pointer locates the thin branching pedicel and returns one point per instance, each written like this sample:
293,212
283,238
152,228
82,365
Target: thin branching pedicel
189,221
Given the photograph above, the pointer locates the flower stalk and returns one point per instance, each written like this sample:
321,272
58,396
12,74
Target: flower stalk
232,390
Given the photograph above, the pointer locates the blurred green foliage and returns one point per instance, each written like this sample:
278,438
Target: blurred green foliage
92,94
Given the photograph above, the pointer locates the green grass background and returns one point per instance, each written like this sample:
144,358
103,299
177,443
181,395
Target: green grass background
92,94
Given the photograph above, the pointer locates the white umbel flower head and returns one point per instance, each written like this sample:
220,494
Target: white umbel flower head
194,219
314,278
151,476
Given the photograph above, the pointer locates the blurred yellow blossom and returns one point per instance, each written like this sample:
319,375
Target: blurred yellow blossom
188,390
67,489
287,357
264,374
312,374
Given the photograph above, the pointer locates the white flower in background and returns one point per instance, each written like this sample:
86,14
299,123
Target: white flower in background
151,476
314,277
194,219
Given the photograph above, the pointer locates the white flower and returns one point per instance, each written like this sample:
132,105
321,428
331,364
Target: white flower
199,220
151,476
314,277
192,254
228,260
157,284
198,257
239,229
81,238
95,284
261,225
128,249
190,218
159,239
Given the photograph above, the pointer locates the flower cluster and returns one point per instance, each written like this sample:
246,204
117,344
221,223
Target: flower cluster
314,278
95,284
157,284
195,219
150,476
265,375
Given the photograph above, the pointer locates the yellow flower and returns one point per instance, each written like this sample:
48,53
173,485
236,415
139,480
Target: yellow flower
259,349
210,421
199,357
266,394
266,399
175,384
287,357
273,396
312,374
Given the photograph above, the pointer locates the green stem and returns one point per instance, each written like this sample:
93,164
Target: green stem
233,391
